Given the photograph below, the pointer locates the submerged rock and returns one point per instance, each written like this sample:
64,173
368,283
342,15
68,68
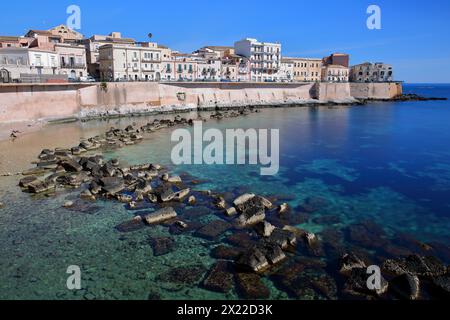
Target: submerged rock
130,226
349,262
220,277
251,287
356,284
223,252
416,265
282,238
213,229
162,246
185,275
160,216
406,286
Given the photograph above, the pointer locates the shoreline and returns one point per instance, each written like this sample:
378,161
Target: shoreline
16,130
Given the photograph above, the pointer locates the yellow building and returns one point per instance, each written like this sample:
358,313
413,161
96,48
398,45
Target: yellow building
307,69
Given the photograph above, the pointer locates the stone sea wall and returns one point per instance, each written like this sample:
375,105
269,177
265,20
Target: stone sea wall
30,102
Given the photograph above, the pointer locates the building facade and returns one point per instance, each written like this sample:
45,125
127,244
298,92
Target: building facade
72,60
335,73
130,63
24,63
338,59
286,73
93,45
368,72
265,58
307,69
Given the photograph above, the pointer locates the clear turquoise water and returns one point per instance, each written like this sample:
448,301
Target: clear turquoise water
385,162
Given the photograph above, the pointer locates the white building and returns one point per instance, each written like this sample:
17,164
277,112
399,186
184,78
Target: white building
72,60
286,73
368,72
21,63
209,70
265,58
335,73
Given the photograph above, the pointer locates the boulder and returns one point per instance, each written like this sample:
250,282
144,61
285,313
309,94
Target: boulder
160,216
356,284
349,262
223,252
416,265
282,238
284,208
186,276
25,182
192,200
112,185
220,203
406,286
71,166
180,195
243,199
264,229
68,204
213,230
253,259
219,278
130,226
231,212
40,187
251,287
162,246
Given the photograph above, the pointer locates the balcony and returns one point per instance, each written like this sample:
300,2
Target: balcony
151,60
73,65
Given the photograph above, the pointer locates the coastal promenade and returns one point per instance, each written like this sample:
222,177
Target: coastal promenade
47,102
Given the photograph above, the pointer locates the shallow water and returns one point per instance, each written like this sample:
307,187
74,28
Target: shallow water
387,163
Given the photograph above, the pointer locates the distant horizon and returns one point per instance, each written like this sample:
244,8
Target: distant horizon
412,35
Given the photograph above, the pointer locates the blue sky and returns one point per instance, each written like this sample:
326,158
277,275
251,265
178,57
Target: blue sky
414,36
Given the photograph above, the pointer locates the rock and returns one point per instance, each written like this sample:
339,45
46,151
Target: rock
311,239
175,180
442,286
71,166
68,204
34,171
251,287
225,253
416,265
253,260
243,199
406,286
220,203
181,225
87,195
264,229
356,284
124,198
282,238
132,225
162,246
273,252
213,230
25,182
231,212
40,187
183,275
192,200
180,195
165,193
349,262
160,216
284,208
1,205
112,185
220,278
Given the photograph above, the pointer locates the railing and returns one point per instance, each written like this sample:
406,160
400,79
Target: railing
73,65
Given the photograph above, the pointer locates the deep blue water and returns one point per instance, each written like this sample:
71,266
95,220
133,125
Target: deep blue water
387,163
